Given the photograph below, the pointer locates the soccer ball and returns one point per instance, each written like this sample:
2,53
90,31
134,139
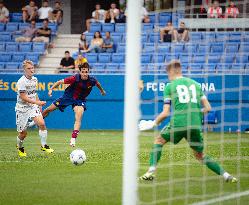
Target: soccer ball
78,157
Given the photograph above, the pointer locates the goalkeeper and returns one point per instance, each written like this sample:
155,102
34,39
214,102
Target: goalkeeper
186,98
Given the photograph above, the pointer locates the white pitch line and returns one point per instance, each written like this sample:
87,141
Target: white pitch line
223,198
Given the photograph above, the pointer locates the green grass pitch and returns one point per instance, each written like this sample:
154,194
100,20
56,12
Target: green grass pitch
53,180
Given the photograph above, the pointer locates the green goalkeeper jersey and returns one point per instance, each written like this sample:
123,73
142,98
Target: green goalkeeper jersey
184,95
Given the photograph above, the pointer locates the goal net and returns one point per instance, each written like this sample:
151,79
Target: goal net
212,47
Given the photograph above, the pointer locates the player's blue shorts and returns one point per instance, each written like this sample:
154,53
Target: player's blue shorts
62,102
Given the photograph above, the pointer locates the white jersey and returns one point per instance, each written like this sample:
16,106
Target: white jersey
29,87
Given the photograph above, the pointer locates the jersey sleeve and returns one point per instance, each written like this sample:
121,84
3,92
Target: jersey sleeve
21,88
70,80
95,82
167,94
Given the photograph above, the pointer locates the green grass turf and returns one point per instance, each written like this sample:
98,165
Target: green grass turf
52,179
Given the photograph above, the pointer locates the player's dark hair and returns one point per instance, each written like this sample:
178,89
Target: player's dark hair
67,52
174,64
84,65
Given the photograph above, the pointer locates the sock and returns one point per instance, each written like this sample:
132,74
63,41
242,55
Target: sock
212,165
75,133
226,175
19,142
155,154
43,135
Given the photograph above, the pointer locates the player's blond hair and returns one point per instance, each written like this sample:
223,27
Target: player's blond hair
26,62
174,64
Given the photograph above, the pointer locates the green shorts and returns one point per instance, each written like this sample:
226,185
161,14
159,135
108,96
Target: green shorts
193,137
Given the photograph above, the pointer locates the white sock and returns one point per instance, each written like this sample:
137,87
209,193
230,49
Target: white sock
43,135
19,142
152,169
226,175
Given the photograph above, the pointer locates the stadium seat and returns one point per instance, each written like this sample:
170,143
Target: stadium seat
118,58
121,47
190,48
89,37
231,48
122,67
120,27
164,18
149,47
25,47
195,36
163,48
98,66
112,66
2,46
223,67
147,27
217,48
199,59
177,48
154,37
11,27
12,66
18,57
16,17
238,66
23,26
39,47
144,37
209,68
145,58
185,58
92,57
33,57
153,18
144,67
242,58
244,48
158,58
4,57
95,27
195,68
213,58
11,47
222,36
208,37
2,27
108,27
53,28
203,48
5,37
169,57
117,37
104,57
227,58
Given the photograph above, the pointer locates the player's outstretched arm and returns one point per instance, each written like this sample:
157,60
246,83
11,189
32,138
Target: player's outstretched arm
55,85
25,98
102,91
206,105
150,124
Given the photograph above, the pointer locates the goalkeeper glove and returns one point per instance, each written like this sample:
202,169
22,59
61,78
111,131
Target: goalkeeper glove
147,125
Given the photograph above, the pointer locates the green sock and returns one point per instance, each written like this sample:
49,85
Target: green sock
214,166
155,154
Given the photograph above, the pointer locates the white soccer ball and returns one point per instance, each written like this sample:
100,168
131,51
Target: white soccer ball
78,157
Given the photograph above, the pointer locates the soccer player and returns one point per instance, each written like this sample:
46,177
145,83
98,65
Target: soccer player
186,98
80,86
28,106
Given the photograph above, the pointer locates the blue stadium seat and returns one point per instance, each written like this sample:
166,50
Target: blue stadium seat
199,59
98,66
108,27
144,37
18,57
11,27
164,17
195,68
190,48
217,48
244,48
203,48
235,35
89,37
112,66
2,66
238,66
147,27
39,47
228,58
33,57
247,66
242,58
222,36
118,58
154,37
122,66
11,47
25,47
16,17
117,37
169,57
214,59
195,36
120,27
23,26
95,27
158,58
92,57
144,67
209,68
12,66
209,37
145,58
53,27
185,58
163,48
5,57
149,47
121,47
104,57
153,18
177,48
2,26
2,46
223,67
5,37
231,48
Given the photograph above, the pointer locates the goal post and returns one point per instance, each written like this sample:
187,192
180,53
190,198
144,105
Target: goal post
132,113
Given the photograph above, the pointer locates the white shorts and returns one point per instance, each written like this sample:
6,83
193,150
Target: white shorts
22,117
